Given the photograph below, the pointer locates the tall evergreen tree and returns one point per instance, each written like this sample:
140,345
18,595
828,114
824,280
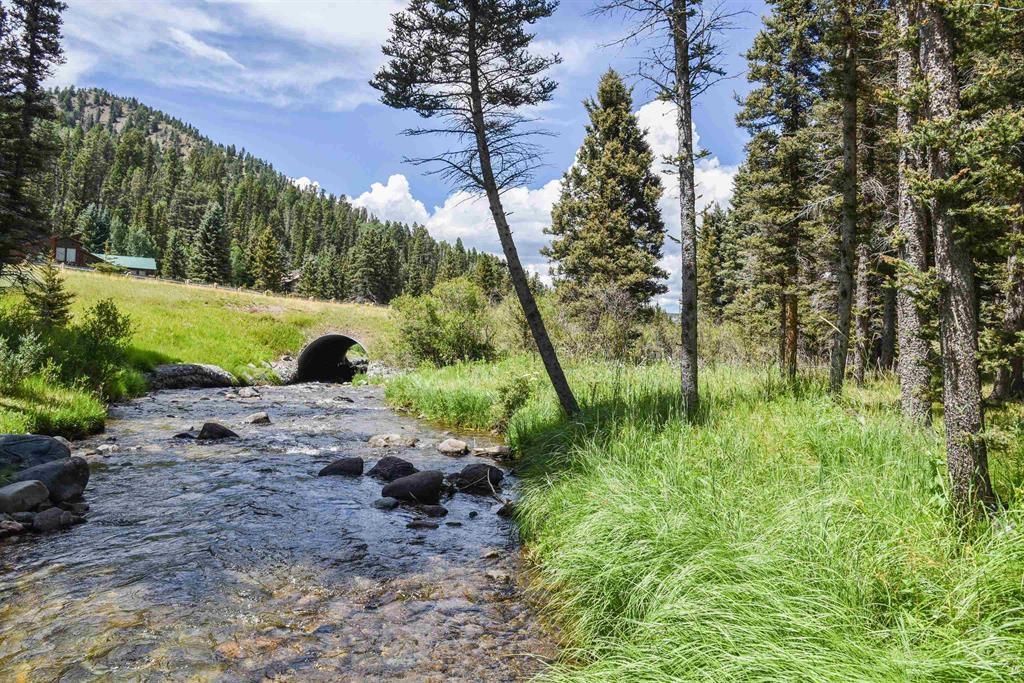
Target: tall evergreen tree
373,272
209,260
606,227
175,260
267,261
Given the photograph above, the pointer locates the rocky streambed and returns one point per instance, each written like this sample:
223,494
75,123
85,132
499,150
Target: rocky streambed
231,559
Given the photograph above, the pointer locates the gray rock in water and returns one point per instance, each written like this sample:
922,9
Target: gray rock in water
453,447
248,392
386,503
434,510
24,518
260,418
23,496
189,376
53,519
390,468
64,479
477,478
9,527
19,451
422,524
493,452
392,441
352,467
506,509
422,487
212,431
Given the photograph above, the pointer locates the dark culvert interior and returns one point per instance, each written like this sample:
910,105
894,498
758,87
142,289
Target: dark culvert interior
325,359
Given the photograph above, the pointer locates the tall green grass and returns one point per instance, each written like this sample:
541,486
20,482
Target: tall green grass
783,536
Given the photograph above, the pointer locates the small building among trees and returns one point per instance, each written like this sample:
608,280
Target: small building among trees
72,252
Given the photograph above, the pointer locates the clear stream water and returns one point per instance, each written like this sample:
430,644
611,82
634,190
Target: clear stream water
233,561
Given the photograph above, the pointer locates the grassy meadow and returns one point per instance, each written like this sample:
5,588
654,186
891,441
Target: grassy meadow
783,536
182,323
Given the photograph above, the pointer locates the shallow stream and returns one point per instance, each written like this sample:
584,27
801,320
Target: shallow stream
233,561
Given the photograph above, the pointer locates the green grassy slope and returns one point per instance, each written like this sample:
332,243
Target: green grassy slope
184,323
783,537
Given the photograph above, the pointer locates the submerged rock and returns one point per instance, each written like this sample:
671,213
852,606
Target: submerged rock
493,452
184,435
9,527
392,441
248,392
422,524
213,431
23,496
189,376
260,418
386,503
20,451
477,478
453,447
64,479
434,510
390,468
422,487
55,519
352,467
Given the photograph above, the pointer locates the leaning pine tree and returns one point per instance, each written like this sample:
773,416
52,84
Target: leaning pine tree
468,64
607,231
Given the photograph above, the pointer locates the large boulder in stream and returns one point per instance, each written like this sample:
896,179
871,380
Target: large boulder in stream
423,488
390,468
477,478
213,431
189,376
352,467
64,479
23,496
18,451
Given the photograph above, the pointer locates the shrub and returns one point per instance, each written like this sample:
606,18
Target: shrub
446,326
513,393
18,360
95,350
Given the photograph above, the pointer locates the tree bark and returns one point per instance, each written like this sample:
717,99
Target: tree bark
687,208
887,342
515,267
848,224
1009,380
912,361
966,455
862,349
792,328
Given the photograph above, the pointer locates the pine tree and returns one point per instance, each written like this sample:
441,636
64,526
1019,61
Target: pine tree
374,274
443,63
210,260
93,226
175,260
784,66
49,300
606,227
267,261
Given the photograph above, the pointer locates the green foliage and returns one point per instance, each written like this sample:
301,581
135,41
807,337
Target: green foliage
19,358
47,297
783,536
606,227
446,326
210,258
267,262
374,275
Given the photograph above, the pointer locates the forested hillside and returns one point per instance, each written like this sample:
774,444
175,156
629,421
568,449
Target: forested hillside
132,180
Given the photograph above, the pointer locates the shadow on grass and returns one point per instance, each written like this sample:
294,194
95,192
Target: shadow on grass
147,359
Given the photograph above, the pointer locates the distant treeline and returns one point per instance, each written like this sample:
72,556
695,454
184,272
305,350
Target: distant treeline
132,180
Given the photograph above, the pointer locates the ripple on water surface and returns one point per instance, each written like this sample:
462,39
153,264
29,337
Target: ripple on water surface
234,561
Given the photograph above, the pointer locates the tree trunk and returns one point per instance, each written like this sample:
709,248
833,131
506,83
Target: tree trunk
687,208
792,329
966,455
862,349
515,267
912,362
1009,381
848,224
887,342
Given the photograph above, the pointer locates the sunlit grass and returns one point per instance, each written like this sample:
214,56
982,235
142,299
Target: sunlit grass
783,536
43,407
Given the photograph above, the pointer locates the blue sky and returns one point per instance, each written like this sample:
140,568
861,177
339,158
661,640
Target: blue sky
287,80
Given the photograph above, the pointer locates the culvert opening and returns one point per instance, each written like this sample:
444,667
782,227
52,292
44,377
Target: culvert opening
325,359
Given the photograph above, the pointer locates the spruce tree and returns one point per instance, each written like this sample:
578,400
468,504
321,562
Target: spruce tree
49,301
175,260
606,227
267,261
93,227
373,273
210,259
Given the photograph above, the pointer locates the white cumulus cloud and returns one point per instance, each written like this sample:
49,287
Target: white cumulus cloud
393,201
304,183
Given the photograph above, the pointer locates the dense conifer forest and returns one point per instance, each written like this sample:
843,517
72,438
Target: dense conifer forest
132,180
